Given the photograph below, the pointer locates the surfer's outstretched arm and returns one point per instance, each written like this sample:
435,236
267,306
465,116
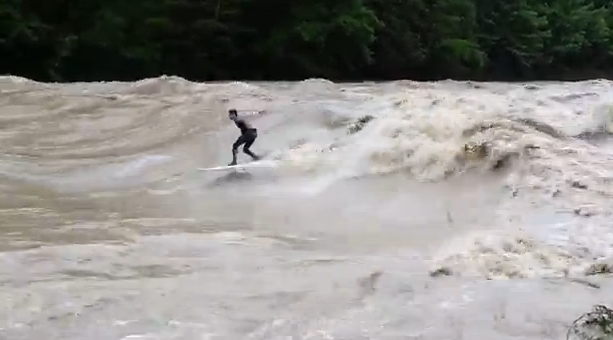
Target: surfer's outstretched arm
250,114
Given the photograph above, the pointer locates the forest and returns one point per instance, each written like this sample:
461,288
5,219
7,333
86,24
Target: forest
340,40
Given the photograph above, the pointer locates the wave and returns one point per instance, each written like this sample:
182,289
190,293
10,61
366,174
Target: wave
535,141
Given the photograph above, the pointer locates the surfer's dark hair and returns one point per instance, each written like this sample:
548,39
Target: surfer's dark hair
232,111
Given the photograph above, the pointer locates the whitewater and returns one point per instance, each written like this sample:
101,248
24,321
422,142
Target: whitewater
396,210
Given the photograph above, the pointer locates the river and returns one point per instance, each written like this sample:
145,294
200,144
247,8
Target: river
395,210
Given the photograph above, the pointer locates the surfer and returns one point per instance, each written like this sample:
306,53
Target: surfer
247,137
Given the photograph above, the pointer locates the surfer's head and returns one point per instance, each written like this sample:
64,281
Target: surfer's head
232,114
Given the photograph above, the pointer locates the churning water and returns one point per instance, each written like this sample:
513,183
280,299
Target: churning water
402,210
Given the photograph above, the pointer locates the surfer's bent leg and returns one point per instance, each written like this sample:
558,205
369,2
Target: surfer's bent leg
249,139
239,141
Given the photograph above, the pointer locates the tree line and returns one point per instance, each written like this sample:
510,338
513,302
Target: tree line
204,40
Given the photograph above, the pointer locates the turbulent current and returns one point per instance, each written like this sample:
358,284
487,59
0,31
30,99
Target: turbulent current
400,210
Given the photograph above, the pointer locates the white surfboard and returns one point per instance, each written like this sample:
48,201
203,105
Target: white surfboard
257,164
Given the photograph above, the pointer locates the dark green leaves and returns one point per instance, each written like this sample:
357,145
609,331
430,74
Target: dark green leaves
278,39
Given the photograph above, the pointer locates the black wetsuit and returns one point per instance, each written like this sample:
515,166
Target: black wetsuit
247,137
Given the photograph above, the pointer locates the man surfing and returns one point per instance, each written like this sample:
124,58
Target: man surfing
247,137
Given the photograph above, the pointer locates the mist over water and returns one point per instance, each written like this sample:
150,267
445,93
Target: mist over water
399,210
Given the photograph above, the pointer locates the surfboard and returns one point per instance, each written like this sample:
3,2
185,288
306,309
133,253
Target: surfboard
256,164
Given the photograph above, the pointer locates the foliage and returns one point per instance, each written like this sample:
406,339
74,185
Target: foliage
594,325
65,40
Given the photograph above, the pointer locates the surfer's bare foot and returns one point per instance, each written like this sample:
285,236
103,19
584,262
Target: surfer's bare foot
231,164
